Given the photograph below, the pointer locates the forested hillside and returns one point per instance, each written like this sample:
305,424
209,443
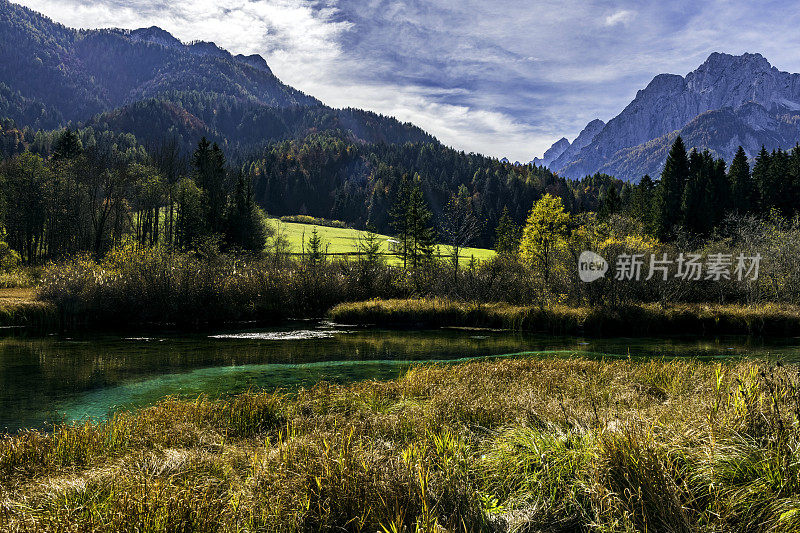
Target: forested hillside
142,100
148,83
358,182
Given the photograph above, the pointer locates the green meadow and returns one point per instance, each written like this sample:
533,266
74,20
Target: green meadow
345,240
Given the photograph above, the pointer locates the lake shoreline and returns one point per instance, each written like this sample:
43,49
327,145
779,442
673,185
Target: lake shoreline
21,310
636,320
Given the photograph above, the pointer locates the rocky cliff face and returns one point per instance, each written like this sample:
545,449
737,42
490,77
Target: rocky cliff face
583,140
729,100
553,152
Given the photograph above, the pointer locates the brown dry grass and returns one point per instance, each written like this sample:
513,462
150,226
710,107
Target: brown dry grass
518,444
639,319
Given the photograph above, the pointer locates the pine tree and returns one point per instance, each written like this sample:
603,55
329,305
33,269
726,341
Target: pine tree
781,182
399,218
696,208
641,203
209,167
794,176
720,192
245,227
507,235
421,235
610,203
459,226
369,247
670,190
314,251
690,212
761,177
68,145
190,223
741,184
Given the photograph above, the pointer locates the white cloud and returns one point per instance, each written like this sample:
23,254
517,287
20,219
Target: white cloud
623,16
505,78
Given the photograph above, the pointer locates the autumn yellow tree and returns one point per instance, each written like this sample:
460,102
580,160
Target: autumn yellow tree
545,230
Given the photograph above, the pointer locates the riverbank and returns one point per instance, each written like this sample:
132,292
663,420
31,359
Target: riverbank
536,444
20,308
631,320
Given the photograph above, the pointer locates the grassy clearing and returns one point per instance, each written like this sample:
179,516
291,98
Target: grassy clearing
522,445
641,319
345,240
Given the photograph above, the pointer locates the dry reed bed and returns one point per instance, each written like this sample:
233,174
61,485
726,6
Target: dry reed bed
527,444
20,307
633,319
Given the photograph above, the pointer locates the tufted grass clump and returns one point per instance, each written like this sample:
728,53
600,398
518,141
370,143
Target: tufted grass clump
504,445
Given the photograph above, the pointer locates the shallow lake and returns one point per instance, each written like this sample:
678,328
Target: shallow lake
56,378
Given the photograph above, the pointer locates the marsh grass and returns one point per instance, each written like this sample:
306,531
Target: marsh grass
19,277
639,319
135,286
518,444
19,307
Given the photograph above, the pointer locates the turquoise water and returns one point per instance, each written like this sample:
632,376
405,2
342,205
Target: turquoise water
50,379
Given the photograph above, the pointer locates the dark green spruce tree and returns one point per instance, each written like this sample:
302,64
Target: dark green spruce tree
398,216
781,182
209,172
245,224
507,235
743,191
794,176
695,193
422,238
670,190
641,206
762,178
67,146
610,203
720,191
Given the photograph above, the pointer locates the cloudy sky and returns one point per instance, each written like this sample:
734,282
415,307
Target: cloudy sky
501,77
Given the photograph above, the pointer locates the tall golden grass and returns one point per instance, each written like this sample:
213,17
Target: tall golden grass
502,445
632,319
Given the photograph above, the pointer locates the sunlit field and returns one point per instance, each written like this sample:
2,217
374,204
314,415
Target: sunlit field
345,241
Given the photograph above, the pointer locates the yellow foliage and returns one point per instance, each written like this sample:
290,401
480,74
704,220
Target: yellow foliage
630,243
544,233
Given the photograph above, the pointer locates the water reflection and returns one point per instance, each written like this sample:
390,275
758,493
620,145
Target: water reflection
54,378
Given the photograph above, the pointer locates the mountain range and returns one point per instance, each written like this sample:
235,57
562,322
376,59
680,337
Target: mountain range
726,102
148,83
151,84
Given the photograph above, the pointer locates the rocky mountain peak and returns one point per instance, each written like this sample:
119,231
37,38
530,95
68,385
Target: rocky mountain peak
553,152
748,86
207,48
584,138
155,35
255,61
719,63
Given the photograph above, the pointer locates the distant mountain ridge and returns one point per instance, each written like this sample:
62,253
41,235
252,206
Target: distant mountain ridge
131,80
553,152
726,102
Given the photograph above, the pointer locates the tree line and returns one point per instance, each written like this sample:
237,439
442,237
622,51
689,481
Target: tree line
83,190
696,191
89,196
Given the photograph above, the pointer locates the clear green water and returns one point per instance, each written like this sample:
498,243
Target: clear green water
49,379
